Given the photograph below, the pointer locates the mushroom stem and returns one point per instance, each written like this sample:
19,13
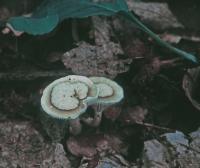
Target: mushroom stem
75,126
97,118
95,122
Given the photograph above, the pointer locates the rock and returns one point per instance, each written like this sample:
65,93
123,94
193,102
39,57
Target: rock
57,159
22,146
178,140
109,162
155,155
172,150
190,85
157,15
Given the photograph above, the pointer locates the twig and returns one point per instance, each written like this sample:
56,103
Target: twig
27,76
155,126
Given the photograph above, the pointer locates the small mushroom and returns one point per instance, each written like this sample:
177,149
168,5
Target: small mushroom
68,98
109,93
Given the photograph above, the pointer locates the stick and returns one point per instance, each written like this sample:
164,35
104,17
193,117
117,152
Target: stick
154,126
28,76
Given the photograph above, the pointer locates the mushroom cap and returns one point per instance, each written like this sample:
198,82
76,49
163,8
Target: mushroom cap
68,97
109,91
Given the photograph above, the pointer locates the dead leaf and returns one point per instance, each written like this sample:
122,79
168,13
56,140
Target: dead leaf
134,115
112,113
83,146
173,38
105,58
96,144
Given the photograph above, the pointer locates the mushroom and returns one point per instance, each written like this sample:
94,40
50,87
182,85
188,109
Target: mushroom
68,98
109,93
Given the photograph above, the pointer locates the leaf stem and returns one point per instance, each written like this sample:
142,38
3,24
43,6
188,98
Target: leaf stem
182,53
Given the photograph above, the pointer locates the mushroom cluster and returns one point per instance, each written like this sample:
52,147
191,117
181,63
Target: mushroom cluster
68,98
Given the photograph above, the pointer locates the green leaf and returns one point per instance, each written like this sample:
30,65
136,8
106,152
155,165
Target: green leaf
46,17
35,26
53,10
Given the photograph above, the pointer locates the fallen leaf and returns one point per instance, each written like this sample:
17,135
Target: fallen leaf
173,38
105,58
96,144
134,115
112,113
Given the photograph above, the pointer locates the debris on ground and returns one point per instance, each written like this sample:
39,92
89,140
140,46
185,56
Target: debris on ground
173,150
23,146
94,60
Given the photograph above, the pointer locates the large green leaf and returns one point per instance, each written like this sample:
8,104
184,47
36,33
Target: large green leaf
35,26
80,8
46,17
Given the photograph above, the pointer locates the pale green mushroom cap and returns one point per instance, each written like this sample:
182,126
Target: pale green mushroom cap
109,91
68,97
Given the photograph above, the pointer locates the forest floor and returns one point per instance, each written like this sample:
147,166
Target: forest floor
156,125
